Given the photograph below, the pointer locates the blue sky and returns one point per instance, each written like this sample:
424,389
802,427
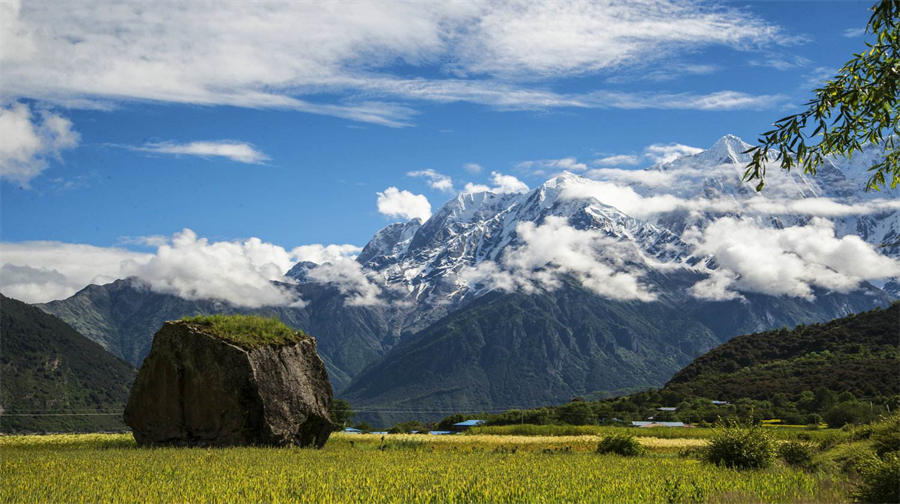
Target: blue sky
101,184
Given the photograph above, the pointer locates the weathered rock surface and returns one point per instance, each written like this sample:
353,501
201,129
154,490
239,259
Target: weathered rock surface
195,389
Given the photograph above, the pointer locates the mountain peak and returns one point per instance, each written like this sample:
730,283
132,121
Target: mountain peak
566,177
728,149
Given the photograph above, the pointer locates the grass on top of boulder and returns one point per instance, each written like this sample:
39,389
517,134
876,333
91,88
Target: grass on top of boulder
247,331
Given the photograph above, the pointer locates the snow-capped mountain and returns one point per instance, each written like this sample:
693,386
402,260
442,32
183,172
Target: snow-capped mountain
425,262
837,192
576,286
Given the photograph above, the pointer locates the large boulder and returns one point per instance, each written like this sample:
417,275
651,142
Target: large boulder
199,387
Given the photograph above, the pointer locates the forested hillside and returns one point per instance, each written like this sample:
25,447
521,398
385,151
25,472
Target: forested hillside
54,379
858,353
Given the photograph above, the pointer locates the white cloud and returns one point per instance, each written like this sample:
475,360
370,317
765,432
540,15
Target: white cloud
782,62
35,285
854,32
437,181
575,37
789,261
546,166
507,184
665,153
818,77
271,55
649,178
359,286
501,184
655,153
473,168
239,272
336,264
321,254
554,249
623,198
475,188
616,188
28,144
396,203
717,101
622,159
240,152
39,271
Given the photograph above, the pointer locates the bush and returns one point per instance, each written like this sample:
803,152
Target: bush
740,445
852,412
795,453
880,479
364,426
886,437
620,444
406,428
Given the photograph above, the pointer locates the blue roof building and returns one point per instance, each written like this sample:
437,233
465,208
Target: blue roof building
468,424
641,423
351,430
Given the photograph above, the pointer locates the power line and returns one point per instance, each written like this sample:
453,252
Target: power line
59,414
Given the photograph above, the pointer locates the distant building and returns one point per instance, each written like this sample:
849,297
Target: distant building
379,432
468,424
645,424
351,430
666,409
441,432
721,403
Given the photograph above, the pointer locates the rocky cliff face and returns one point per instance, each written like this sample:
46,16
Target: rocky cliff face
194,389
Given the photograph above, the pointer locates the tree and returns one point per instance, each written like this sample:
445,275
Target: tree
576,413
364,426
857,107
341,412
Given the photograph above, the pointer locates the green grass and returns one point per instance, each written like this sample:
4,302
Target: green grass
247,331
110,468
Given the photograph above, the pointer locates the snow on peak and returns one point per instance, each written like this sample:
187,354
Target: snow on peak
727,150
391,240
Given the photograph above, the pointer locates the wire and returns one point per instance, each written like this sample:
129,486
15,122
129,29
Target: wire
59,414
421,411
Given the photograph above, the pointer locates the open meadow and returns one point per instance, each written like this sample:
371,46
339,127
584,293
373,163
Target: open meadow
393,468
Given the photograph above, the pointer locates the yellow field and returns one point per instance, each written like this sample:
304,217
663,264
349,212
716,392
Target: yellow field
411,468
584,443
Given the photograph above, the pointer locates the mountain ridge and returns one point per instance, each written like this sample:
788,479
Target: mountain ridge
48,367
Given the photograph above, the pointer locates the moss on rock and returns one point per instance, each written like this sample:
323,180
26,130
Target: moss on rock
247,331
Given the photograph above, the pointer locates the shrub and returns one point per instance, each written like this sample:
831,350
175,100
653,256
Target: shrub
406,427
620,444
830,438
886,436
740,445
880,479
364,426
852,412
795,453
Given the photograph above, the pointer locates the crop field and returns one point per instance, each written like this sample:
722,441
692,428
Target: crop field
398,468
777,431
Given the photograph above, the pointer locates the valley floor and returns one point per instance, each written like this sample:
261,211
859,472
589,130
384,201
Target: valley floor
394,468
